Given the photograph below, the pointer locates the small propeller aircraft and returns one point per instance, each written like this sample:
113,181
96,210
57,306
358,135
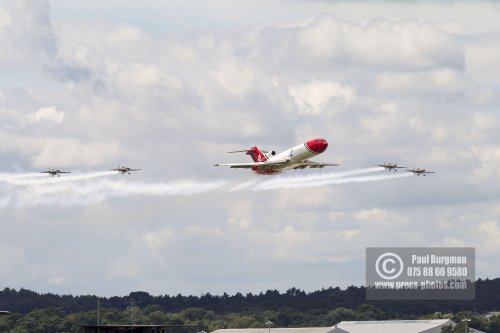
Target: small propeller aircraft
269,163
419,172
123,170
390,166
55,172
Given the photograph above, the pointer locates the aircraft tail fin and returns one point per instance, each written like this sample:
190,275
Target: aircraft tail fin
255,153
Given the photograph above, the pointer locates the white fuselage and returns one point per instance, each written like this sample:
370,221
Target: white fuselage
295,155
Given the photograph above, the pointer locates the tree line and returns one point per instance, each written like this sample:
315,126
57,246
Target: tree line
52,319
34,312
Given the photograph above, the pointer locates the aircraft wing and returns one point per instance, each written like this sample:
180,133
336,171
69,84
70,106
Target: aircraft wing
420,171
4,313
262,165
134,169
64,172
313,165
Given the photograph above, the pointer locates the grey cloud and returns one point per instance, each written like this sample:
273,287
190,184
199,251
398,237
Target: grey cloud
31,32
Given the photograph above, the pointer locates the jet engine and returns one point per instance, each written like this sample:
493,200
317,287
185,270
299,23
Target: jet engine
271,153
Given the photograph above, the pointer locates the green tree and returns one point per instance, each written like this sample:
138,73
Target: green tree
494,324
193,315
110,316
447,329
340,314
243,321
134,315
147,310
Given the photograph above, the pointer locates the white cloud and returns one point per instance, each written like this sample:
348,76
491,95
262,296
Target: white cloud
235,77
11,257
57,280
313,98
155,240
481,59
450,242
491,230
55,152
125,34
47,113
487,158
322,38
382,217
308,199
4,19
442,84
386,118
381,43
151,78
241,215
5,22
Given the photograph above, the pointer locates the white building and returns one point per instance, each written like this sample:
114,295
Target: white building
392,326
383,326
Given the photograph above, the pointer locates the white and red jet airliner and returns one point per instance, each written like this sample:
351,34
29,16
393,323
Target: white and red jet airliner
297,157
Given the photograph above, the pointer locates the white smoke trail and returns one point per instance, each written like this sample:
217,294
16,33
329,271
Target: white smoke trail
319,177
266,186
80,189
5,177
67,193
35,179
242,186
185,187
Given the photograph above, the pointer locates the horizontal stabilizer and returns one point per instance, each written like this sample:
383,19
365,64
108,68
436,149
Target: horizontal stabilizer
239,151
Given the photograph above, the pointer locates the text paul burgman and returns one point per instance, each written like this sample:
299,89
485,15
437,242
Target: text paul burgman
442,260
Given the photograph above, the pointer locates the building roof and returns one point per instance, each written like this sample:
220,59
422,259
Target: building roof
392,326
382,326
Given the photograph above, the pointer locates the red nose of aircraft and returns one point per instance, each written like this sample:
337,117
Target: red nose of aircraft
317,145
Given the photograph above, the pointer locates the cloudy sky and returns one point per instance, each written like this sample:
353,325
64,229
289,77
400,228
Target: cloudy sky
169,87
